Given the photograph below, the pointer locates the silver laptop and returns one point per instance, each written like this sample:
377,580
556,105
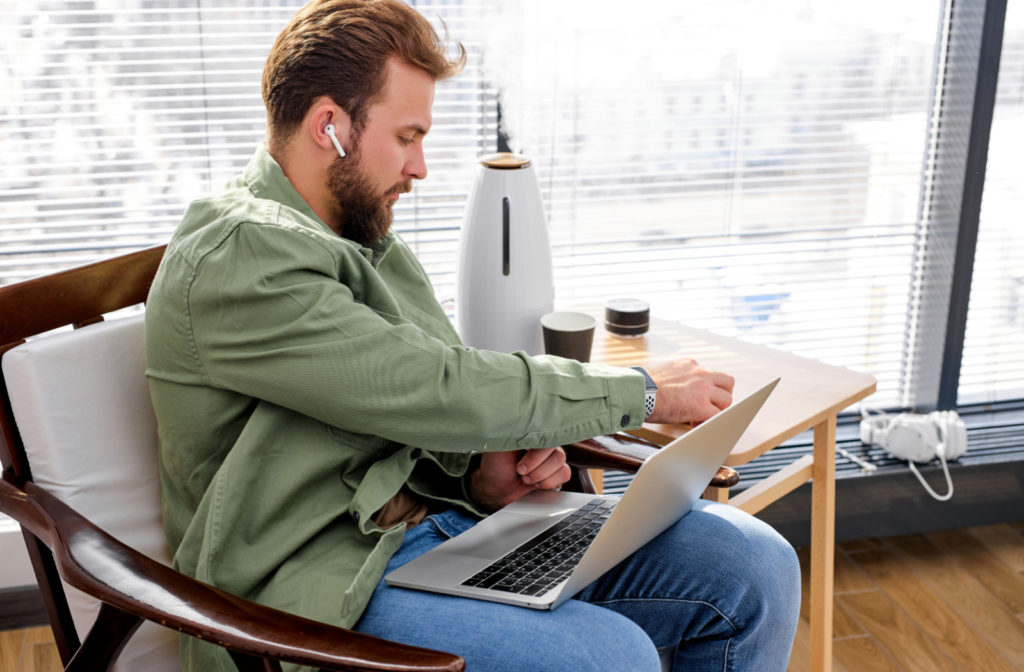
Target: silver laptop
547,546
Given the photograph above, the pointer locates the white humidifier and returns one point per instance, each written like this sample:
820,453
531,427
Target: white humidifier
504,276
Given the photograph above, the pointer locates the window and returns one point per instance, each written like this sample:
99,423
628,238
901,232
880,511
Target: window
116,115
751,168
993,361
778,172
766,170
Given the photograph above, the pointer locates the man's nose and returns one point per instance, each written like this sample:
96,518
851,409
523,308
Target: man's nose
416,166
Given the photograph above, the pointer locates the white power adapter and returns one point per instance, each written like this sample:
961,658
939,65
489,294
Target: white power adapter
918,438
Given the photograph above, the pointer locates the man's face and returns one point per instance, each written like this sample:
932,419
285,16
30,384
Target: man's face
385,156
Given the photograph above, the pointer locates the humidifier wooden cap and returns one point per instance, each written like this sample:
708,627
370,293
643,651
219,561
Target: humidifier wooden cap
504,161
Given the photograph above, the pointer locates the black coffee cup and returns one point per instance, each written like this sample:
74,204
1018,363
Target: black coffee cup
568,334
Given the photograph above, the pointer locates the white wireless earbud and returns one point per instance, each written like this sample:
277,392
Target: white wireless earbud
329,130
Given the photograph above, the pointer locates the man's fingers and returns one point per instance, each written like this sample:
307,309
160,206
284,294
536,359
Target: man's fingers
550,469
537,466
721,398
556,480
533,459
723,380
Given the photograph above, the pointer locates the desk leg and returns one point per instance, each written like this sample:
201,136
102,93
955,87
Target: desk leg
823,539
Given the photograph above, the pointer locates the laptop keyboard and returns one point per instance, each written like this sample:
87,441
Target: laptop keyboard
542,562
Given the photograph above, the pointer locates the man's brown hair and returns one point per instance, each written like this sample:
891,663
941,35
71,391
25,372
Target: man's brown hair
340,48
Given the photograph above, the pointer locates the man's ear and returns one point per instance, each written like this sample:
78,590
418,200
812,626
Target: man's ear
325,112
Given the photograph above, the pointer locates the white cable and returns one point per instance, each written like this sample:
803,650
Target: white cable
864,466
949,481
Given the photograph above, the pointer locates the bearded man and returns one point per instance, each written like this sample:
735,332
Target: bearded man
320,422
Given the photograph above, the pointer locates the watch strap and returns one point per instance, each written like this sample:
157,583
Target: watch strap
650,391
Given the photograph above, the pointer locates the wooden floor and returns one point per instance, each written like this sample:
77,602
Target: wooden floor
933,602
30,650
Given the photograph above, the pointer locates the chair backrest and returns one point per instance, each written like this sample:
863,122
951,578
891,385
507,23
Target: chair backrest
82,406
76,418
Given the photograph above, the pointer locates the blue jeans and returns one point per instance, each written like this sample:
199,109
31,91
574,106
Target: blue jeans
719,588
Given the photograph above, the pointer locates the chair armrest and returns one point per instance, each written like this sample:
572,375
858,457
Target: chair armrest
625,452
98,564
614,451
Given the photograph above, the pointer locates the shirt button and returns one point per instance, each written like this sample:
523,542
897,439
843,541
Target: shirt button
625,420
355,516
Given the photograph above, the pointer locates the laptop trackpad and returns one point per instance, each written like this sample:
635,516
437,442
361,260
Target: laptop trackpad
506,530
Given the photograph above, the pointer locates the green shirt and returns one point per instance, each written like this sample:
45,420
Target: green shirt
300,380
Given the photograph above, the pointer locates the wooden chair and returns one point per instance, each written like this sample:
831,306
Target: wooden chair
78,448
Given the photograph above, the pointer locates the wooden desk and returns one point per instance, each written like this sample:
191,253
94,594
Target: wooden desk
810,396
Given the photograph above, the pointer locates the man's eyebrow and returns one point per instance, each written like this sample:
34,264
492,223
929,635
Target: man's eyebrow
416,128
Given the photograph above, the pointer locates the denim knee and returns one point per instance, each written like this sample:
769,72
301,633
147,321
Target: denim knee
720,587
773,576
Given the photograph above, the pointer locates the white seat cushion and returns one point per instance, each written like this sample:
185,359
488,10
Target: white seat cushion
82,405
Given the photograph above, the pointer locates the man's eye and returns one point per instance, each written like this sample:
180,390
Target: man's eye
405,140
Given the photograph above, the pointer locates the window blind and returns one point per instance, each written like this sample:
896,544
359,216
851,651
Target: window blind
114,116
992,368
750,168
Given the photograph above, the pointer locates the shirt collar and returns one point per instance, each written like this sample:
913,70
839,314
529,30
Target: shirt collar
265,179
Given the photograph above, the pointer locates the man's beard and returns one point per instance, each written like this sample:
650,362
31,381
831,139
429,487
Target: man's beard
366,214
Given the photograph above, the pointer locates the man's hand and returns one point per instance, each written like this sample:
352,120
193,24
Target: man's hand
504,477
689,393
